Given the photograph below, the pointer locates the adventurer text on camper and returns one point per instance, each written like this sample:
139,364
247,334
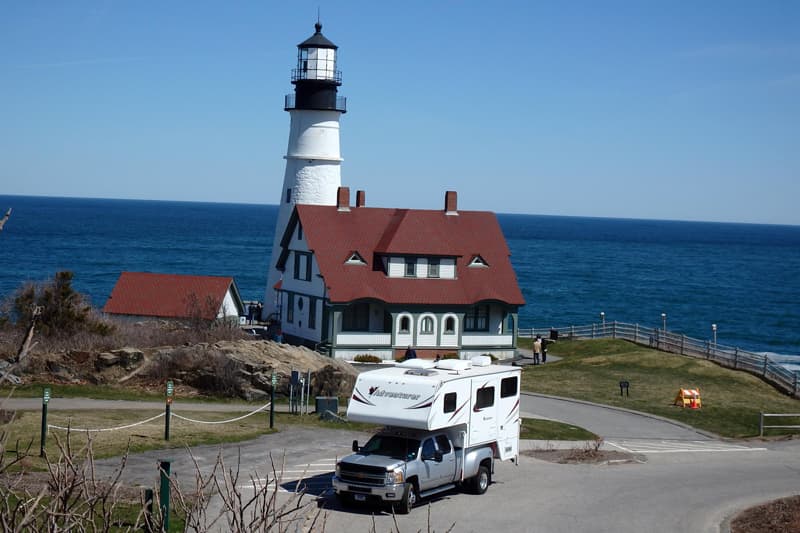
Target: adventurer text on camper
392,394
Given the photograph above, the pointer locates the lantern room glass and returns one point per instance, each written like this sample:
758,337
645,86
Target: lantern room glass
316,64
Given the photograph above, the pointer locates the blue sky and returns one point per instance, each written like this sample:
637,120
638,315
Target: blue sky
672,110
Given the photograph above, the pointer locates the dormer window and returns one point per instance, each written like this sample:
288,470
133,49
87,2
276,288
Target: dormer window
478,261
433,267
411,267
355,259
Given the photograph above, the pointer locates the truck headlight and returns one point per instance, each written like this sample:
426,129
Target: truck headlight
392,478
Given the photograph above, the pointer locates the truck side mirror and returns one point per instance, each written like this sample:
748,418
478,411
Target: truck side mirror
355,445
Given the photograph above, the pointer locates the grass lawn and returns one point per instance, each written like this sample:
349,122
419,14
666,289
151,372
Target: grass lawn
25,429
107,392
591,370
538,429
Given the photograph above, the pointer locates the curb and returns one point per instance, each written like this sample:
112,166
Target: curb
704,433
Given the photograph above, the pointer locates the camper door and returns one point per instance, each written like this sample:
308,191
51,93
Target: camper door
483,420
508,411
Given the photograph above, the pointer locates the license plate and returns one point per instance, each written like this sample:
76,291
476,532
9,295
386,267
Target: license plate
359,497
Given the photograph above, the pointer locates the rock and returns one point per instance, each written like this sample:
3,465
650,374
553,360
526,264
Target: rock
252,394
79,356
105,360
59,371
261,380
129,357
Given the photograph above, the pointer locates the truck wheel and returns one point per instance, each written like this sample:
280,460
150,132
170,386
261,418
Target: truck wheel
409,499
481,481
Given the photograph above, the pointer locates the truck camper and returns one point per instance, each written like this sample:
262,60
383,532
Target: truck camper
445,424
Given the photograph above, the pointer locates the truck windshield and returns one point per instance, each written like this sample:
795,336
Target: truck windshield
392,446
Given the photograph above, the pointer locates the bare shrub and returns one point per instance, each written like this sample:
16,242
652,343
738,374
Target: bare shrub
72,498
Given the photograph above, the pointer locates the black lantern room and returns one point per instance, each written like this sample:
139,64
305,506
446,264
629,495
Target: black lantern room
316,79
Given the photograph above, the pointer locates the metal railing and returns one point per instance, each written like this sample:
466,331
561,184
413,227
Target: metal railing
760,365
763,426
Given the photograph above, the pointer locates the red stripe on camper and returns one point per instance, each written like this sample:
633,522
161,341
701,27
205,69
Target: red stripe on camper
510,414
357,396
427,402
457,410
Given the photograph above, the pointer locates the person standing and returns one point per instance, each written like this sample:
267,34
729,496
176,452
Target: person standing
411,353
537,349
545,342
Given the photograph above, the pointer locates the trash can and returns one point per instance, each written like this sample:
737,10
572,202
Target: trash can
327,407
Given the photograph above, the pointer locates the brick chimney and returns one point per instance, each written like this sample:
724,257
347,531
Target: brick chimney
450,203
361,199
343,198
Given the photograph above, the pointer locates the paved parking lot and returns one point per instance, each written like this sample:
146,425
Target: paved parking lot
686,482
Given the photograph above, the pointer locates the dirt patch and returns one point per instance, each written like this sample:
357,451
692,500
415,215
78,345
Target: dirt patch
581,456
778,516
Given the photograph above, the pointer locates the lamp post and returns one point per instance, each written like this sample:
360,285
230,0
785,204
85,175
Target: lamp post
664,322
714,331
603,320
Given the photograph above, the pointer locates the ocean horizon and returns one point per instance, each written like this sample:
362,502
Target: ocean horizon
740,276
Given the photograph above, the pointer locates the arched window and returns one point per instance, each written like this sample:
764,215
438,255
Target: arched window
450,325
426,326
405,324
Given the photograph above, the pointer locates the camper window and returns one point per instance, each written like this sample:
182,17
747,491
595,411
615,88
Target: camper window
508,387
484,398
449,402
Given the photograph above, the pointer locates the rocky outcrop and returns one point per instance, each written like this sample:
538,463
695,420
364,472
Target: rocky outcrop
241,368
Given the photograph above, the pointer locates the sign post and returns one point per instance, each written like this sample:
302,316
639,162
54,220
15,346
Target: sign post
163,497
170,389
272,401
45,401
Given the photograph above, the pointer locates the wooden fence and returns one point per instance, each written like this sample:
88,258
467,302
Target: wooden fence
664,340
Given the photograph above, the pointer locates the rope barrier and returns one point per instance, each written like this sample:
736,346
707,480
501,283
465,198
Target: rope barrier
107,429
52,426
221,421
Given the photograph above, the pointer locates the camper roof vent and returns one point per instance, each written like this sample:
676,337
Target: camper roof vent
454,364
421,372
417,363
481,360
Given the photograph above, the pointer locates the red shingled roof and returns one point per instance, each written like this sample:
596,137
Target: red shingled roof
166,295
334,235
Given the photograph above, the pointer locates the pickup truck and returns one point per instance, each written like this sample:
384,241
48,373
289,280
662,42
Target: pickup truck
398,466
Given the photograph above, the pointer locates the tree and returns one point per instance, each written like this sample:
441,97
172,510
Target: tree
63,311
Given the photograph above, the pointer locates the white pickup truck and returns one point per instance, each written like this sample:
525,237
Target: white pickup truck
446,423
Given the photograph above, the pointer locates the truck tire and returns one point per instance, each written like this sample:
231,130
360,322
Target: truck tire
481,481
409,499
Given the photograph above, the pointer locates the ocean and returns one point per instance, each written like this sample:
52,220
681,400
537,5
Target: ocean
743,277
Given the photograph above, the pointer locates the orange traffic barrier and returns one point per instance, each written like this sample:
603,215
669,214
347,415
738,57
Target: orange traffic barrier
689,398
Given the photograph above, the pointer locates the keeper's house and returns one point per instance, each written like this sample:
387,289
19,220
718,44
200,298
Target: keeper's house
144,295
359,280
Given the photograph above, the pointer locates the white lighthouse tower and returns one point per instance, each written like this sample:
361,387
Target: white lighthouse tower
312,159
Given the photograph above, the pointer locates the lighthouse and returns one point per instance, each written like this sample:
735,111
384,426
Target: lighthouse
313,159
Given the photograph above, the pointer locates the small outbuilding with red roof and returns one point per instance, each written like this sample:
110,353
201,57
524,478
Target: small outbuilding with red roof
145,295
359,280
